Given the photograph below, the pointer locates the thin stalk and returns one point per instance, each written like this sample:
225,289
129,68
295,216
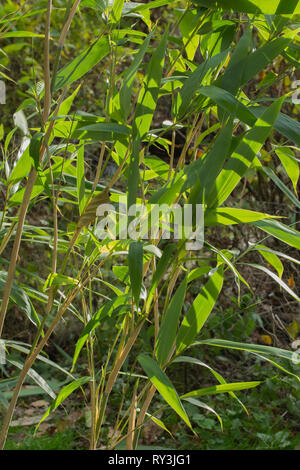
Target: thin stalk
34,353
123,354
142,414
132,418
70,12
16,247
47,79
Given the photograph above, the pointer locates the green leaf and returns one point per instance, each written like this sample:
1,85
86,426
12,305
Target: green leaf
169,325
243,156
135,264
291,166
232,78
83,63
164,386
276,278
269,172
21,169
284,124
36,377
116,11
218,376
215,389
63,394
231,216
160,424
80,178
18,346
194,82
19,297
256,348
105,127
277,253
203,172
227,101
271,258
199,311
260,59
124,95
161,268
200,404
21,34
282,232
144,113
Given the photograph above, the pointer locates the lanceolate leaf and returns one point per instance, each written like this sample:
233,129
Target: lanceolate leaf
256,348
221,380
282,232
277,279
195,81
228,387
164,386
125,91
230,216
281,185
203,173
199,311
64,393
19,297
105,311
284,124
200,404
80,178
244,155
144,113
232,78
83,63
271,258
36,377
135,264
288,160
169,325
262,248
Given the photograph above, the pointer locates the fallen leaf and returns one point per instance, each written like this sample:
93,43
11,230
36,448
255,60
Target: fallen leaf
293,329
266,339
40,404
28,421
291,282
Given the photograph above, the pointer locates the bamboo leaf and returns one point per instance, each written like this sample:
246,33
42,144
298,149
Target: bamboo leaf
169,325
144,113
222,388
231,216
277,279
135,264
83,63
63,394
164,386
244,155
200,404
282,232
199,311
256,348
